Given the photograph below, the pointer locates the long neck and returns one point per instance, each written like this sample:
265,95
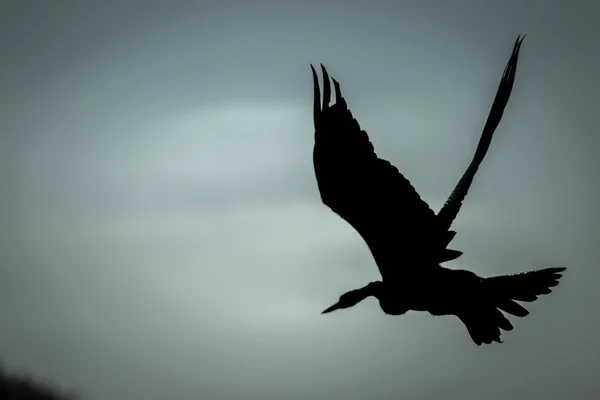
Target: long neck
372,289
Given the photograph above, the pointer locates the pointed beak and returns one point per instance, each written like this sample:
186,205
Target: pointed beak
334,307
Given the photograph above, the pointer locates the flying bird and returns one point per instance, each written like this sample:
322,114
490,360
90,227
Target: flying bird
407,239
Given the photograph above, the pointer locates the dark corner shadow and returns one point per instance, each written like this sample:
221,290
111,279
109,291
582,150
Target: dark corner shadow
407,239
20,386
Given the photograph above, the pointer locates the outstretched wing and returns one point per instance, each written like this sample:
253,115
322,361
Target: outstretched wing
367,191
452,206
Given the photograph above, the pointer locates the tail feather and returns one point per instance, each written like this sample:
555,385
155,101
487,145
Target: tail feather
525,286
509,306
485,319
484,327
502,321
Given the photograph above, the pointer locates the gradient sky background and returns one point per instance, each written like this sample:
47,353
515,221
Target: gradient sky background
161,232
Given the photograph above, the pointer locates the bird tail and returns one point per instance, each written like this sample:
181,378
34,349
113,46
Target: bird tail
501,293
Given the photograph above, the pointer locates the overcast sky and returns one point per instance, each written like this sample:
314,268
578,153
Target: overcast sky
162,236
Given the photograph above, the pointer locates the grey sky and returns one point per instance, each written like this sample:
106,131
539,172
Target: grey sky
161,231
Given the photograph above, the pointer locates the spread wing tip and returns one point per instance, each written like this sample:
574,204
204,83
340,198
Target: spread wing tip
326,87
326,91
316,96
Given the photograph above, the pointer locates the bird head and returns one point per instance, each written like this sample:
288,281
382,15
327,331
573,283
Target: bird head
353,297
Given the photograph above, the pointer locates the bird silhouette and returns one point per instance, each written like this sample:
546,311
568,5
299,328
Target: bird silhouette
407,240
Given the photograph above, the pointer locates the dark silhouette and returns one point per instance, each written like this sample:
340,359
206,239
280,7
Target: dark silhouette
21,387
407,239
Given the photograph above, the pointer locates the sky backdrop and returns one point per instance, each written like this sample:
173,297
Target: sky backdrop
161,232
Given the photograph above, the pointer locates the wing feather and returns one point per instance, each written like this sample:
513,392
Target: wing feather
368,191
371,194
450,210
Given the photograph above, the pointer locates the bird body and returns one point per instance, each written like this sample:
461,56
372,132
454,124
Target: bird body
406,238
